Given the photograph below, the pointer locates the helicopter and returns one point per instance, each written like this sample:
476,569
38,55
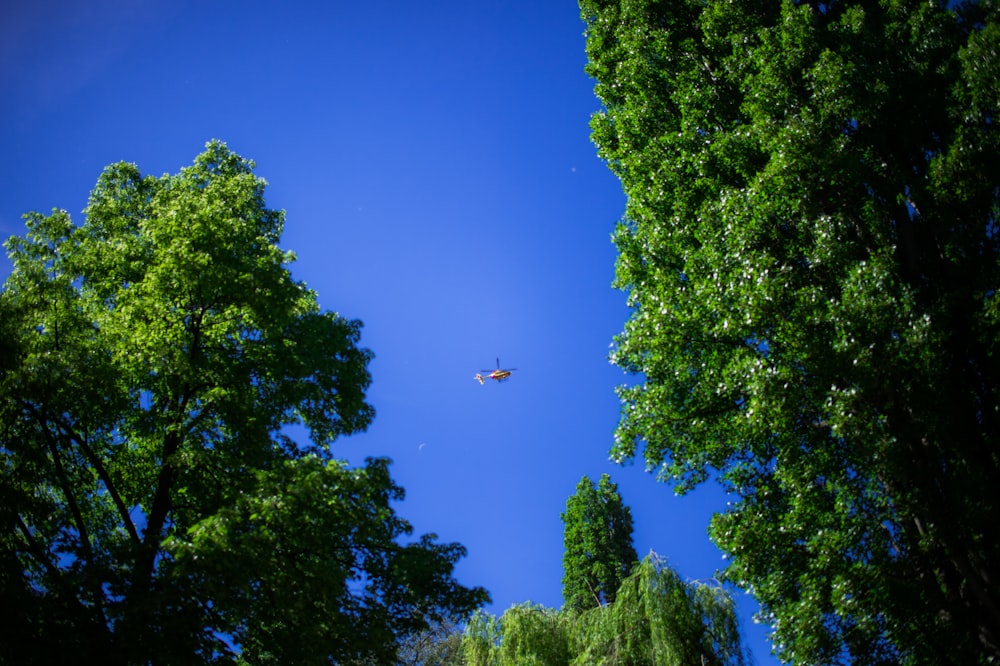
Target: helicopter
497,375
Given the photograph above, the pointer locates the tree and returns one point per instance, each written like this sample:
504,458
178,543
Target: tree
656,619
155,506
659,619
524,635
438,645
810,249
597,536
617,610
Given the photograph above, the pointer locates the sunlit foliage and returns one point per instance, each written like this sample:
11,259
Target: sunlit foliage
656,619
810,249
597,537
154,508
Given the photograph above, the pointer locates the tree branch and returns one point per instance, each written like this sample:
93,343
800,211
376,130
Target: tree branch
36,548
93,459
81,526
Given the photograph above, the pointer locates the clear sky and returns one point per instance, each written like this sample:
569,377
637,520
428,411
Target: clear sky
440,185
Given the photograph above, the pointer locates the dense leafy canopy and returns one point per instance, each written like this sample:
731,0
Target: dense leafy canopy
810,249
597,536
656,619
154,507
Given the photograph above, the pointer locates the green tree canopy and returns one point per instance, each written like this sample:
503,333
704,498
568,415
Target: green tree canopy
650,616
154,507
810,249
597,537
656,619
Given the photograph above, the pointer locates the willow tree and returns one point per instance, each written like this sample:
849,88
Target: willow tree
524,635
597,537
660,619
656,619
810,249
154,507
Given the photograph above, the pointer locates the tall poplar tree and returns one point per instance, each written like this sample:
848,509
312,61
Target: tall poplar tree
811,252
597,537
154,508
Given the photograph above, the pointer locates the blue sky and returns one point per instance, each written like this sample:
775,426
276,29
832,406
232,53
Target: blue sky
435,165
